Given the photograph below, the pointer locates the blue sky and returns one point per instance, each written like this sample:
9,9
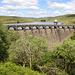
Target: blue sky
36,8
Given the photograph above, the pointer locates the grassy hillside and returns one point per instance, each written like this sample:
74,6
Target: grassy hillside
66,19
8,19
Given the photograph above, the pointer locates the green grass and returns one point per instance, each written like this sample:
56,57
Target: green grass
8,19
66,19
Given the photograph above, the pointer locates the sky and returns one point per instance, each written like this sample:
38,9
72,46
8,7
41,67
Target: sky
36,8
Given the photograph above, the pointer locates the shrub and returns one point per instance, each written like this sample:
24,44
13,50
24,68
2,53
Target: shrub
12,69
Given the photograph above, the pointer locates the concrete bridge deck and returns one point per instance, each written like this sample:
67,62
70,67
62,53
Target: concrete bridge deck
38,26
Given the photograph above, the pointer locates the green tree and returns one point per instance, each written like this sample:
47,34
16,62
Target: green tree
35,47
17,52
72,37
27,49
4,42
42,46
66,52
22,50
13,35
9,68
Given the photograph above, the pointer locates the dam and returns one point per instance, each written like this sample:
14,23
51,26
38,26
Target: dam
53,33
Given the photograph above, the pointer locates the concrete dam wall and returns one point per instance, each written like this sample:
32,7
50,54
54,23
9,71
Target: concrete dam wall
52,35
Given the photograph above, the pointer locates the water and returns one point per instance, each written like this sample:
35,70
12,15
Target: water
35,23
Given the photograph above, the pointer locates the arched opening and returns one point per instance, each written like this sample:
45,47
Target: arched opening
71,27
34,27
27,28
66,27
19,28
11,28
47,27
60,27
52,27
41,27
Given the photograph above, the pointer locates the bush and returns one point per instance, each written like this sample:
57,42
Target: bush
4,42
12,69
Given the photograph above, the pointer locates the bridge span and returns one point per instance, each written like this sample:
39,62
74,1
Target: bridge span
39,26
53,33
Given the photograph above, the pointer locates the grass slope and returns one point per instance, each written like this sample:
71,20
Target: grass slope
9,19
66,19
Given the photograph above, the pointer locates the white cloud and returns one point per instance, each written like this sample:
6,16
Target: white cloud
33,13
38,13
11,13
61,6
20,4
13,7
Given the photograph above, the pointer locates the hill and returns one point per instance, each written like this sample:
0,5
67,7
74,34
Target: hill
66,19
14,19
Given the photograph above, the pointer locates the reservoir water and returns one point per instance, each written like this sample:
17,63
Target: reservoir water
34,23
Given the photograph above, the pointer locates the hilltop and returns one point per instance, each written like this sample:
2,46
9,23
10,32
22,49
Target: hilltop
66,19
